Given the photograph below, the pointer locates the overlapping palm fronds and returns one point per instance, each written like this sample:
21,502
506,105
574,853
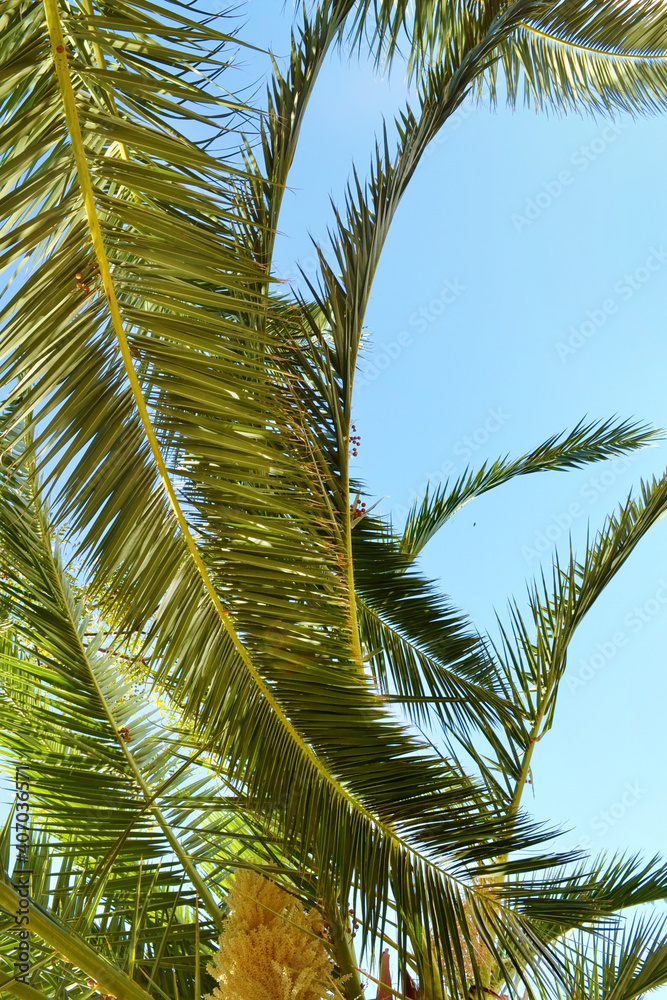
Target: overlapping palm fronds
129,804
621,965
571,55
214,681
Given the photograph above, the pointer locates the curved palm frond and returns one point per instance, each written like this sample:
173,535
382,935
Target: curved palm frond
419,651
572,55
611,883
593,442
133,822
532,653
623,964
288,94
601,58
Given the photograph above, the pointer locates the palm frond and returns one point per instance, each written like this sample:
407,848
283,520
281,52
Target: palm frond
288,95
532,653
573,55
132,822
592,442
622,964
600,58
328,328
427,33
609,884
423,654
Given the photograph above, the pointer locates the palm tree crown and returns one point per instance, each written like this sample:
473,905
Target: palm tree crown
212,658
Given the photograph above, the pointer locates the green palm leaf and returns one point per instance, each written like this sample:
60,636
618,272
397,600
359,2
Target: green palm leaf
532,653
623,964
593,442
573,55
594,57
132,828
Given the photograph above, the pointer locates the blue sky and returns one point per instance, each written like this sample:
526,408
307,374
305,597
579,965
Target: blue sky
523,287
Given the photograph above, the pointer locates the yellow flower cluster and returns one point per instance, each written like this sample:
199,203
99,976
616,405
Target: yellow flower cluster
483,959
270,948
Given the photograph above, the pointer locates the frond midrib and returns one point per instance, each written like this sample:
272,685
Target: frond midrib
609,53
57,43
149,798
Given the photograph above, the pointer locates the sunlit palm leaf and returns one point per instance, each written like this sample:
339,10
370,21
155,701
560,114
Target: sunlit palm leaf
532,653
132,823
569,55
593,442
623,964
596,57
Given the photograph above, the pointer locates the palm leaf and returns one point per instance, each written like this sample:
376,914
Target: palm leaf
532,653
593,442
594,57
573,55
288,94
623,964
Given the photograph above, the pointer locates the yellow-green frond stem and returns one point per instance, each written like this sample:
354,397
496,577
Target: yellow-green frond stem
73,948
59,54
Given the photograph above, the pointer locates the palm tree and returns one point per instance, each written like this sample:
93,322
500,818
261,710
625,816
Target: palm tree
212,658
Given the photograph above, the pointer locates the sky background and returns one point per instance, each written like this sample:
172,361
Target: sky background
518,229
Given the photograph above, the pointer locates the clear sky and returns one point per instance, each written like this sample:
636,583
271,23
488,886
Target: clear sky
523,287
